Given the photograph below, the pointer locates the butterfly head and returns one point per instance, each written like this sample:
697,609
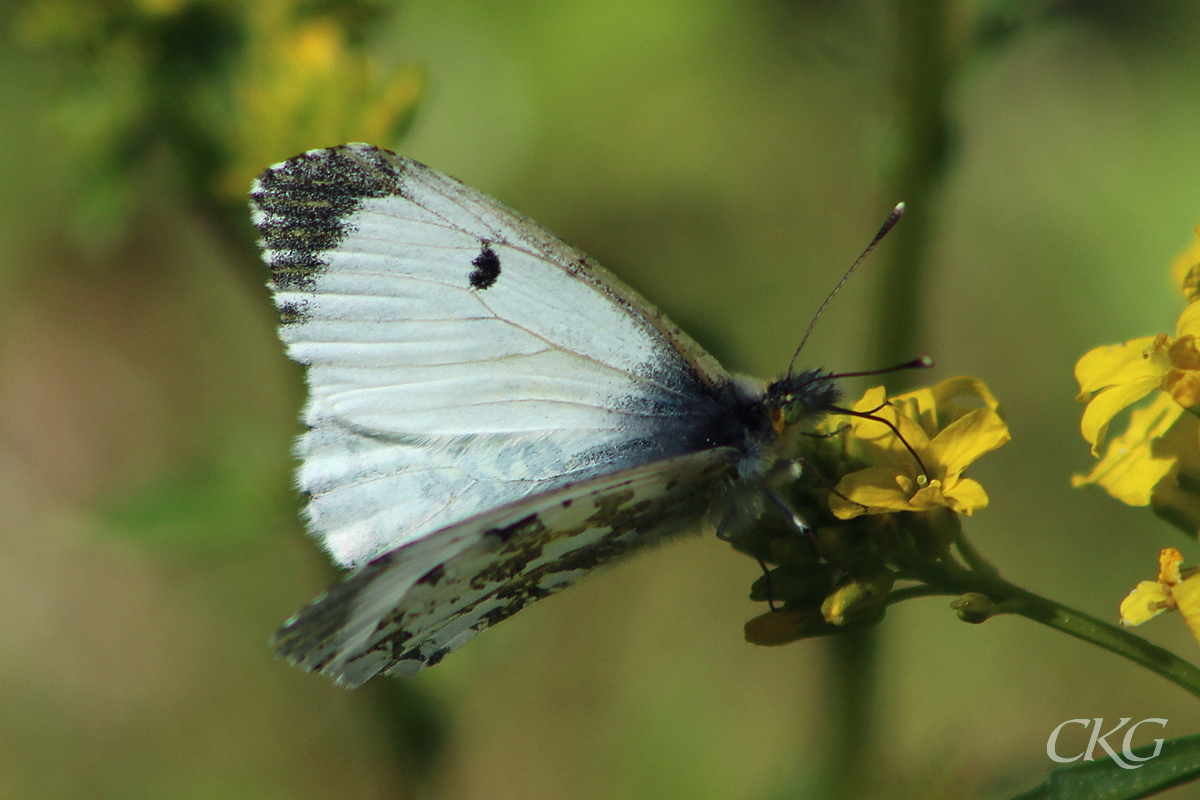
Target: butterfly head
800,396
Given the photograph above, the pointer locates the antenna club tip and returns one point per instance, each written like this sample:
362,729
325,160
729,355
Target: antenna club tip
899,209
924,362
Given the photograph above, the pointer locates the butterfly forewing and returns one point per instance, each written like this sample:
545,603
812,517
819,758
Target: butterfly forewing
410,607
459,356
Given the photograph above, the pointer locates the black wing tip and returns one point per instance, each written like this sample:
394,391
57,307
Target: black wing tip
318,160
356,169
301,206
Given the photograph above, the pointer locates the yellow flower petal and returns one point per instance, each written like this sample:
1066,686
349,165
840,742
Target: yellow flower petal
919,406
935,407
879,443
1130,468
967,496
966,439
1115,364
874,487
963,386
1187,597
1110,402
871,400
1144,603
1176,498
1169,593
927,497
948,394
1188,322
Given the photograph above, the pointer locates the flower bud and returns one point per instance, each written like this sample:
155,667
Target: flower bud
781,627
973,607
858,598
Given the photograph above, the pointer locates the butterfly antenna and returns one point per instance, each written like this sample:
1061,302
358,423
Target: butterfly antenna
924,362
887,225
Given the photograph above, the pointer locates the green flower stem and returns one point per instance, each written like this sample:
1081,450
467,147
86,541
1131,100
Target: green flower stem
947,577
1102,634
911,592
974,558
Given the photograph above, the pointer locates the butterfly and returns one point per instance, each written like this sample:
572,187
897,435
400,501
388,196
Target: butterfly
491,414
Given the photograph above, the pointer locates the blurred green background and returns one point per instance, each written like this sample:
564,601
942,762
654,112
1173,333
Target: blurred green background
728,158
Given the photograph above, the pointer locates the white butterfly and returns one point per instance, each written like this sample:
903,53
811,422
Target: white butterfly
491,414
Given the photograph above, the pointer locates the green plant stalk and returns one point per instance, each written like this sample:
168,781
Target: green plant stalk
1102,634
948,578
924,74
1110,637
852,680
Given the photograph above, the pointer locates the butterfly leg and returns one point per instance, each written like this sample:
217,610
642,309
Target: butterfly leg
829,435
770,590
796,464
871,415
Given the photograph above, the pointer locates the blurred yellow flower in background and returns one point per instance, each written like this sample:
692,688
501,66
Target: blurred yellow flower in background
1114,377
1174,590
1156,460
304,85
1132,466
221,88
945,434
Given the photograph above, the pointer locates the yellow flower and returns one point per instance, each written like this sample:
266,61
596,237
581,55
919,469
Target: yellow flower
307,82
1156,461
1113,377
1175,590
946,436
1133,464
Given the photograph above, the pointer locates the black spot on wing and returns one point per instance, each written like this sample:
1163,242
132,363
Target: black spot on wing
487,268
301,206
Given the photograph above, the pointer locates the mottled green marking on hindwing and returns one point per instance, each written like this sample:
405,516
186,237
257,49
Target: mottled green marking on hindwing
630,524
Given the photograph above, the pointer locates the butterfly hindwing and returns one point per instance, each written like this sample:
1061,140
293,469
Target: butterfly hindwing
410,607
459,356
